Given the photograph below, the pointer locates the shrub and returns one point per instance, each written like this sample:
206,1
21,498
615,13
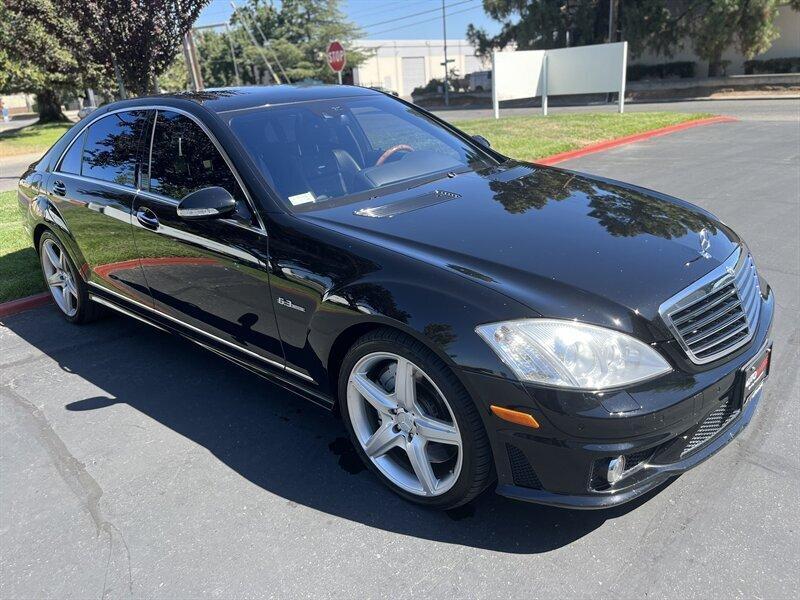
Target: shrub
682,69
772,65
432,87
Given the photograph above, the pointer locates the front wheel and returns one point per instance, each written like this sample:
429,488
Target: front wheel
412,422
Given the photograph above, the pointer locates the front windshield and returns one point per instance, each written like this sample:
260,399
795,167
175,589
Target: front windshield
319,151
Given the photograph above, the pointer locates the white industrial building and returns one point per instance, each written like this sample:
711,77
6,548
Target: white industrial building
402,65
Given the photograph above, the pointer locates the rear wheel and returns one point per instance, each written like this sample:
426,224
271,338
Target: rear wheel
412,422
68,290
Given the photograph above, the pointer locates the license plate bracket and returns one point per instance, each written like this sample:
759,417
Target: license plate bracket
755,372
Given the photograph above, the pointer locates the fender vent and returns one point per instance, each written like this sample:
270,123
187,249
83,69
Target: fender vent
521,470
404,206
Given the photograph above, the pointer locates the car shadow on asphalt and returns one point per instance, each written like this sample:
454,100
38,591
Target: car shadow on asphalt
276,440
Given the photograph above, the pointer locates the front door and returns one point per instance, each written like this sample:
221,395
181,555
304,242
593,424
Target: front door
210,275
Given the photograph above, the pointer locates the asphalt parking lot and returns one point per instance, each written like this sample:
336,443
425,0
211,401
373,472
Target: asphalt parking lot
133,464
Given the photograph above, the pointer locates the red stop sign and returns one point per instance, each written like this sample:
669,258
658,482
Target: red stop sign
336,57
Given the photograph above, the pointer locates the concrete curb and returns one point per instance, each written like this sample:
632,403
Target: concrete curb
629,139
16,306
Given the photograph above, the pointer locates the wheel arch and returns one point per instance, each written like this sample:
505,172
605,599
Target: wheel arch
48,218
350,335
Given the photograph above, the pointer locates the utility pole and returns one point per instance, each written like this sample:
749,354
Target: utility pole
446,74
233,54
192,65
610,21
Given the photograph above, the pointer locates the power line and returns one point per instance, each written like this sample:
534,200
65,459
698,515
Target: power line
450,14
422,12
387,7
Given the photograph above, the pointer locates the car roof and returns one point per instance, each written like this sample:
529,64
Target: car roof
222,100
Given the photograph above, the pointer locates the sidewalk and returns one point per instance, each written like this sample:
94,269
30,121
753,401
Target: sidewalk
11,168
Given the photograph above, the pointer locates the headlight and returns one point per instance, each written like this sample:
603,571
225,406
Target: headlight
572,355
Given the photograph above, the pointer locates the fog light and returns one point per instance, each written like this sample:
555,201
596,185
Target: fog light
616,467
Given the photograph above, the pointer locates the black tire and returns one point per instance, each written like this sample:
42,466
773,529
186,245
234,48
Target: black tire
477,470
87,310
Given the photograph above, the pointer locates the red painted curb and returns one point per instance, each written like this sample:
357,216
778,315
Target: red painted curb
629,139
16,306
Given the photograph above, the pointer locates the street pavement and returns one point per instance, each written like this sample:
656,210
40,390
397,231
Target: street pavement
17,123
134,464
13,166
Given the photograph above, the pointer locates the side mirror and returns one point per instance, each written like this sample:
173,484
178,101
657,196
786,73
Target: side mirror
482,141
206,203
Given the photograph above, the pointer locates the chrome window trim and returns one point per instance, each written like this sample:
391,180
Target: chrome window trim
201,331
724,274
163,107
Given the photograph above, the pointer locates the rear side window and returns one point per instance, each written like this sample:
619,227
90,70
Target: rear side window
71,163
112,146
184,159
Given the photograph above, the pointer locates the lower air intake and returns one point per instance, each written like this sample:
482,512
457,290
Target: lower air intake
521,470
712,425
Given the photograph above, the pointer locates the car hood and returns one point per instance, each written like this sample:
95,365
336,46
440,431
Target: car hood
566,245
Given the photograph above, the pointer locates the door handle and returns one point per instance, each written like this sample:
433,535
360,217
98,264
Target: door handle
59,188
147,218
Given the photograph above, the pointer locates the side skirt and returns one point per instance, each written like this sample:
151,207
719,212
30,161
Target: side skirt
264,368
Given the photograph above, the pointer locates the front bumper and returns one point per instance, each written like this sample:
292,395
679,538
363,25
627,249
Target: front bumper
650,476
665,428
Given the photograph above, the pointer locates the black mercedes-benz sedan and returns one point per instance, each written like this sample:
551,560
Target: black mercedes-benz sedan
472,318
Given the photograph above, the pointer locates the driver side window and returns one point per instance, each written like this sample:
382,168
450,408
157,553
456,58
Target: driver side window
184,159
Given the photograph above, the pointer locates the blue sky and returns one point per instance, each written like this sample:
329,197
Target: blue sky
372,16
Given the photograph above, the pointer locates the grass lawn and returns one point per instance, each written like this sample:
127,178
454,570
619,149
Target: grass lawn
19,266
31,139
529,138
525,138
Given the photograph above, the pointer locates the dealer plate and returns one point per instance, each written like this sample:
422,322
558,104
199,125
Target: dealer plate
756,372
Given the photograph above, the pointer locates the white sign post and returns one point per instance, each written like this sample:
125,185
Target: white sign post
563,71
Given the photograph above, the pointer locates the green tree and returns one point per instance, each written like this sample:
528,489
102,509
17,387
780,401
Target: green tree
134,40
719,24
214,54
43,52
542,24
176,77
298,33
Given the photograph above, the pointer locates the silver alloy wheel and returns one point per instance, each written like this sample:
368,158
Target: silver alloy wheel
396,431
59,278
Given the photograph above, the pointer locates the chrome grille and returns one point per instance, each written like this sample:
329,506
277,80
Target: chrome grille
718,314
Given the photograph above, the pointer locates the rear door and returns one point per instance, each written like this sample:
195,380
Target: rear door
211,274
93,190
